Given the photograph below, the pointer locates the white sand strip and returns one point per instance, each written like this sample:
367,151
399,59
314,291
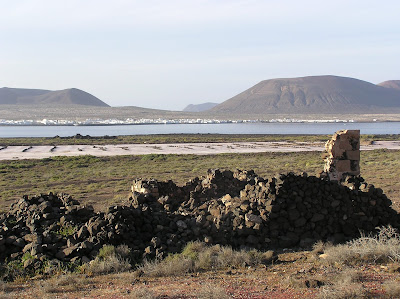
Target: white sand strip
40,152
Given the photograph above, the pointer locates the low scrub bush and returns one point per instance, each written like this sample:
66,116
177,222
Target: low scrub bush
12,270
169,267
7,296
66,230
4,288
66,282
108,251
212,291
392,288
142,293
380,248
109,259
16,271
197,256
343,291
55,267
347,284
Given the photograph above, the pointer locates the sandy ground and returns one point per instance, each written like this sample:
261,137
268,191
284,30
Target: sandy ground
40,152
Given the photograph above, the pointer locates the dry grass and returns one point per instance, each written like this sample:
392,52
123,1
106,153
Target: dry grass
71,282
220,257
212,291
168,267
109,260
347,276
197,256
141,293
343,291
347,284
5,290
4,295
392,288
381,248
319,247
258,281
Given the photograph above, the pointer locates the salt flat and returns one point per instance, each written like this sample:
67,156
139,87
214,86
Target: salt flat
40,152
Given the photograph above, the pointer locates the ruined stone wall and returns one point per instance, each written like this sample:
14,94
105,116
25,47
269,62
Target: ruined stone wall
343,155
237,208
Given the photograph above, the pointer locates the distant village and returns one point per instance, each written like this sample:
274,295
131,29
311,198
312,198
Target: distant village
143,121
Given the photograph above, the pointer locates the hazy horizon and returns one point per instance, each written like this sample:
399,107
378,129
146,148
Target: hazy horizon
166,55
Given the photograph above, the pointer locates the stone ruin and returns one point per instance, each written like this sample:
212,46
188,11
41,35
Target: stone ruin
343,155
236,208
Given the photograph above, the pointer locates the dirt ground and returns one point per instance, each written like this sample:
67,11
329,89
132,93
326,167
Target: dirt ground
294,274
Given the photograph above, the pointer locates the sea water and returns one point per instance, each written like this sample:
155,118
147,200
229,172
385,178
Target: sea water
228,128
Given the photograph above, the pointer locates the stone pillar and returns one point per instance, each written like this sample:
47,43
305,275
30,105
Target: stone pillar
343,154
145,187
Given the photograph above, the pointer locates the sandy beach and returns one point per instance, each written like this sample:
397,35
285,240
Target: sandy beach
40,152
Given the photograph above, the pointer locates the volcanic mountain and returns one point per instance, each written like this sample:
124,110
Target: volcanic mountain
199,107
315,94
66,97
395,84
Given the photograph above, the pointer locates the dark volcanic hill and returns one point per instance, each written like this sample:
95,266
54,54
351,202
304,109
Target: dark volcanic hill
316,94
72,96
395,84
199,107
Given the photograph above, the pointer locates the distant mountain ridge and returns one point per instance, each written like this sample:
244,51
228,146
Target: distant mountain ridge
71,96
314,94
395,84
199,107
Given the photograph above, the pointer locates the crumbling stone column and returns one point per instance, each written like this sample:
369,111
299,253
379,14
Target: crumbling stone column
146,187
343,154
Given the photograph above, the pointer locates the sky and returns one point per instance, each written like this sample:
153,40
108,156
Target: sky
168,54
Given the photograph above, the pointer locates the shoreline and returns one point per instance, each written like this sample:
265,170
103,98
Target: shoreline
43,151
214,122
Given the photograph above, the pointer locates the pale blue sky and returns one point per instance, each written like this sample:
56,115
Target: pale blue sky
168,54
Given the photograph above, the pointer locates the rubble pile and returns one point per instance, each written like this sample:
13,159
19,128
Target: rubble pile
230,208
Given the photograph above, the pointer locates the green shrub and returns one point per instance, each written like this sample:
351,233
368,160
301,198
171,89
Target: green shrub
192,249
27,256
105,252
66,230
108,251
